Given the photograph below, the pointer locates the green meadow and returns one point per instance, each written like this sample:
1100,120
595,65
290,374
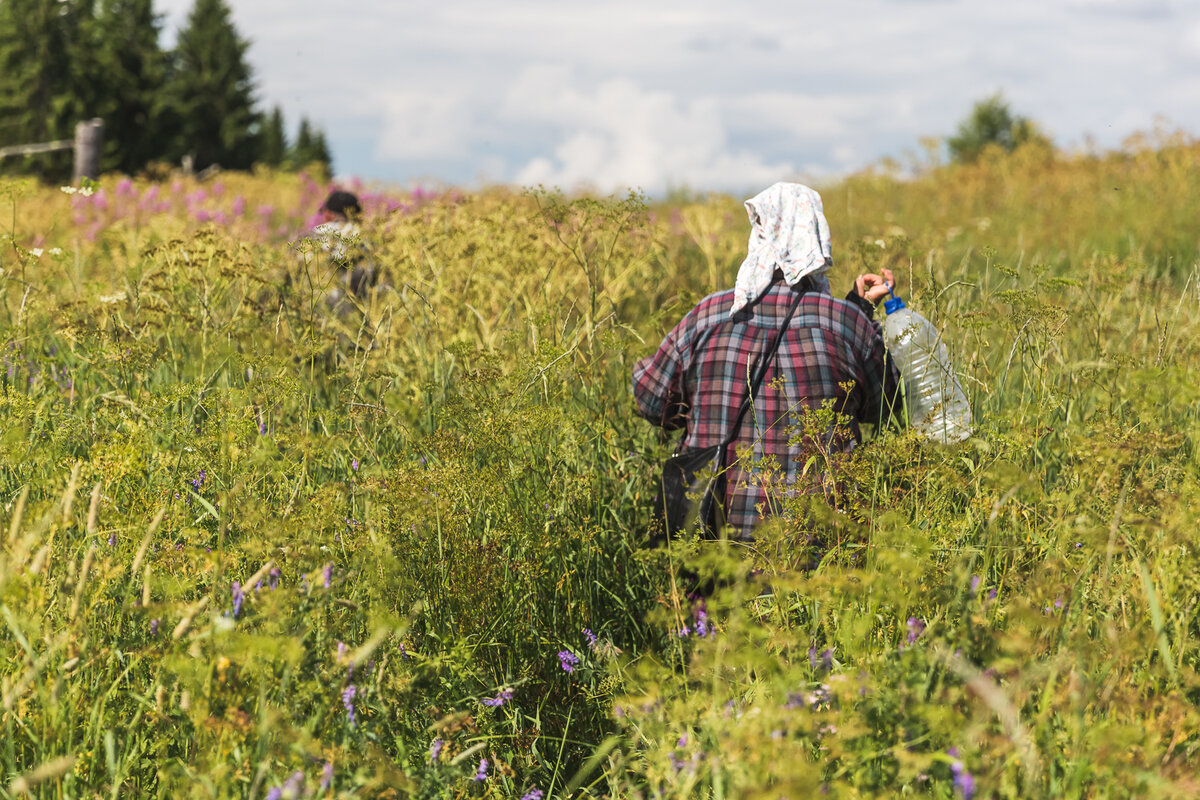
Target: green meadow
251,548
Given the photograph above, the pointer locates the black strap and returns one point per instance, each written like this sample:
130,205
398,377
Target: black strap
768,356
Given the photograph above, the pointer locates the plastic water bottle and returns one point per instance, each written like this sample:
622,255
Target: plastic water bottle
937,406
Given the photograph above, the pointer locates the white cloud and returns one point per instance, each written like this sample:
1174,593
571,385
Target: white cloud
617,134
419,124
700,91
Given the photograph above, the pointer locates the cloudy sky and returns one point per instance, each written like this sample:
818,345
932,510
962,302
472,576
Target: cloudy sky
707,94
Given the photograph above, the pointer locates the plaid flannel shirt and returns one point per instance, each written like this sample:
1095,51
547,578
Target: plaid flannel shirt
832,351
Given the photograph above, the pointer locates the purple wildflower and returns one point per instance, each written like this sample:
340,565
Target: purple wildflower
481,773
294,785
915,628
498,700
327,574
591,638
975,581
435,749
964,782
112,540
238,597
533,794
354,465
273,578
567,660
154,627
348,701
822,661
275,793
327,776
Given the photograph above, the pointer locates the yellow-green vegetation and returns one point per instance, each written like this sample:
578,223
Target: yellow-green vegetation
255,548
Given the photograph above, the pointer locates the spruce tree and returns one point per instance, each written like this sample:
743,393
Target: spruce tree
321,154
310,148
130,70
41,98
274,140
212,90
302,148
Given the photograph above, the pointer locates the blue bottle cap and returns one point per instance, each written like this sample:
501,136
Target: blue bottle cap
894,304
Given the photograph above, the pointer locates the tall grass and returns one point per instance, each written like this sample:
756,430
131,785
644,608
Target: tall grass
253,548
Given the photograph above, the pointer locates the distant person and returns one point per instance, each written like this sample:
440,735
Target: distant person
340,237
831,351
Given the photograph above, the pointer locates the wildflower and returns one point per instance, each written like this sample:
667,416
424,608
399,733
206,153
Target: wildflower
435,749
702,623
273,578
238,597
327,574
498,700
36,252
975,581
154,627
567,660
821,697
591,638
294,786
354,465
112,540
915,628
327,776
533,794
822,661
275,793
481,773
348,701
964,782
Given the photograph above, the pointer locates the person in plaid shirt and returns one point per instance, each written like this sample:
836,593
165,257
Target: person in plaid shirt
832,351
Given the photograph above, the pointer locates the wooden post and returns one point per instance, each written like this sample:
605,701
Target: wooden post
89,139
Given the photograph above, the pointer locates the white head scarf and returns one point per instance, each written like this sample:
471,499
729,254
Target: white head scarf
788,232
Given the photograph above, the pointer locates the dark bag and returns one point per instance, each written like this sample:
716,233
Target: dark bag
692,487
692,481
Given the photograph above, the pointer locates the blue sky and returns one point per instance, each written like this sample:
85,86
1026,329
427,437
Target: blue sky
709,95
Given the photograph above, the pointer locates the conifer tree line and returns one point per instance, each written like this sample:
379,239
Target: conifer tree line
64,61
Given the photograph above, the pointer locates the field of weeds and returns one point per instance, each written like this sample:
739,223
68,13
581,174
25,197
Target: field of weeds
251,548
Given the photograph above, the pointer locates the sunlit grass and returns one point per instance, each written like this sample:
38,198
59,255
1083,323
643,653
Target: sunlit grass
252,546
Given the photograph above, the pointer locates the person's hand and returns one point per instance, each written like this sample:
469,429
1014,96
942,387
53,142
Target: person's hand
874,287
